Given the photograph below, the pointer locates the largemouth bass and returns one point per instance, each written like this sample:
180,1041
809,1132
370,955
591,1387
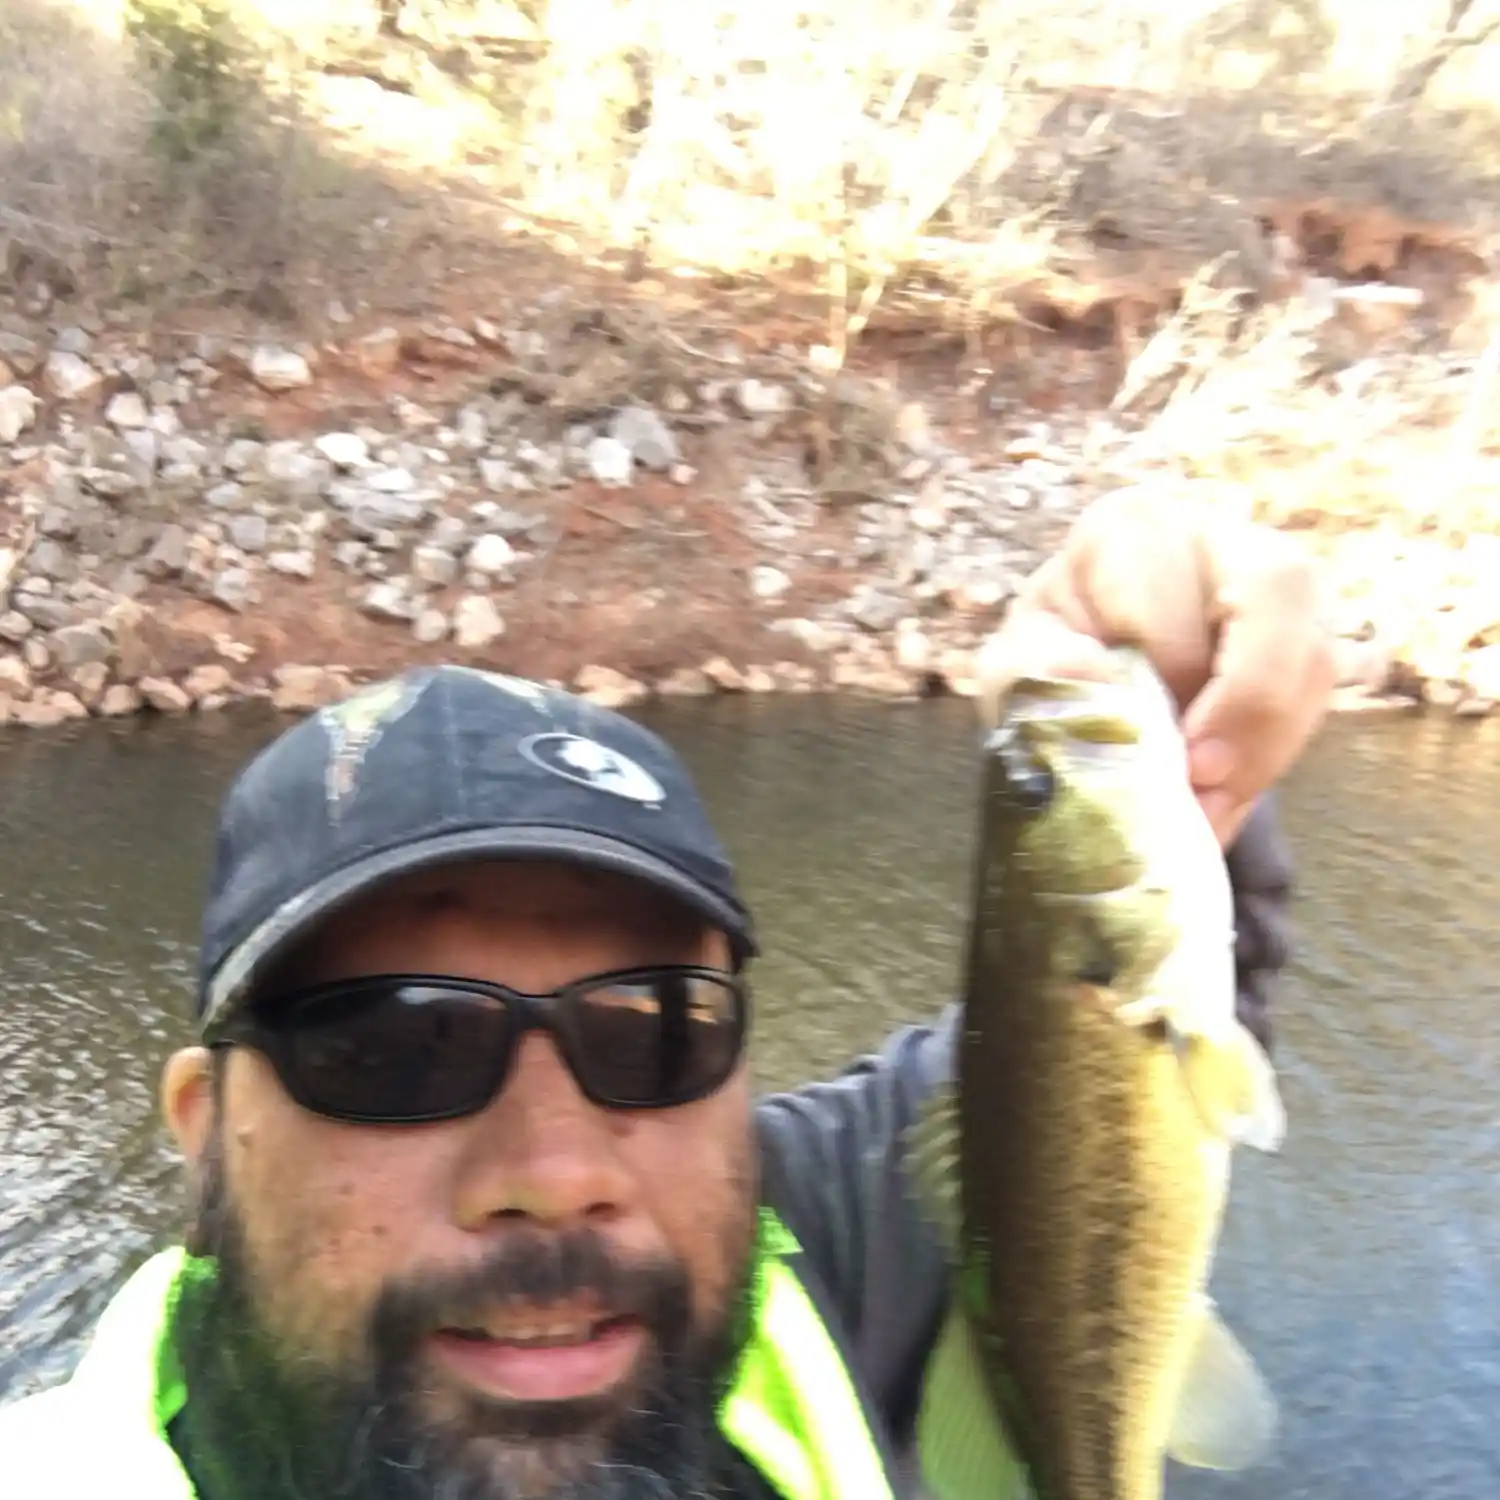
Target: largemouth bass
1080,1166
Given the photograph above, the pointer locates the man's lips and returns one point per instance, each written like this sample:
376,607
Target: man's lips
543,1359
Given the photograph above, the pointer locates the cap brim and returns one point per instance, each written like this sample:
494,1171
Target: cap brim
295,919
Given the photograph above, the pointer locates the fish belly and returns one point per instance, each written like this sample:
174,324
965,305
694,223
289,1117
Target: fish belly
1093,1198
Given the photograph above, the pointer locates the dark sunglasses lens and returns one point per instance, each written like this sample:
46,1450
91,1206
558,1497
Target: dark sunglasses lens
382,1051
653,1040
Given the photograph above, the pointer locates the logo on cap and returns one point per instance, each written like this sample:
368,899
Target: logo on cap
355,724
590,764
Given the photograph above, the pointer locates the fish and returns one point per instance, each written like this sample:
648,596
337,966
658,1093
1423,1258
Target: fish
1077,1168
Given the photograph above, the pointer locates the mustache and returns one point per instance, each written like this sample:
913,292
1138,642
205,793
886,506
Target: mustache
530,1269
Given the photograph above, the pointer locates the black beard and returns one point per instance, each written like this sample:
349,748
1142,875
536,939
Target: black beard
262,1420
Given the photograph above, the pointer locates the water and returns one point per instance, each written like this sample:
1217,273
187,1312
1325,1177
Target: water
1362,1266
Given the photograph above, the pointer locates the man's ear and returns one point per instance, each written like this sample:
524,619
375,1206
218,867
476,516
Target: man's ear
189,1099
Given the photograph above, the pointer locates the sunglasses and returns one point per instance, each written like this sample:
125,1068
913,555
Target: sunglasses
409,1048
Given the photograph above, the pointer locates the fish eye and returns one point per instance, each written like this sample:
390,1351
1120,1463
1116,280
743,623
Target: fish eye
1029,778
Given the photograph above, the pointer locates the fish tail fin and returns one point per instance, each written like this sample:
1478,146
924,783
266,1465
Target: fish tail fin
1226,1415
1234,1086
961,1441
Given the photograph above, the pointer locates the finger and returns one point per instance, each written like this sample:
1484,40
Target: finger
1272,672
1137,558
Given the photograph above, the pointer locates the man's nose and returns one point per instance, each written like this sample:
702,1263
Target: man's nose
540,1151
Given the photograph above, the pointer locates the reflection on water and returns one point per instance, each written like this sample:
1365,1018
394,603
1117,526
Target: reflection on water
1362,1266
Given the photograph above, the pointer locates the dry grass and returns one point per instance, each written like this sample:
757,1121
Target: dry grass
951,155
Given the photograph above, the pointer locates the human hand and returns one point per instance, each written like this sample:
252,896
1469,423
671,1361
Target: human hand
1227,612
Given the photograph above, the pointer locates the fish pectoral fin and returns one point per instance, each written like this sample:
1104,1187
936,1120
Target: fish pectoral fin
961,1441
932,1163
1234,1086
1226,1415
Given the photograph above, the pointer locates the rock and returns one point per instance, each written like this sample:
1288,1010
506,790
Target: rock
164,695
609,462
23,355
344,450
127,409
430,627
609,688
14,626
435,566
392,480
49,559
108,483
476,622
876,610
724,675
378,353
301,564
491,554
35,654
651,442
49,709
685,682
472,430
81,645
299,689
249,532
387,601
44,610
767,582
211,680
89,682
759,398
69,376
18,409
169,553
234,589
15,678
119,700
275,369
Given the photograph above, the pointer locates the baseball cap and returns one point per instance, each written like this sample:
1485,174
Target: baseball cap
436,765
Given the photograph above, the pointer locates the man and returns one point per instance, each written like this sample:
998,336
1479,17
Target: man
483,1207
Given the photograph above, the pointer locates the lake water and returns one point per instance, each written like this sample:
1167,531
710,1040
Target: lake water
1362,1266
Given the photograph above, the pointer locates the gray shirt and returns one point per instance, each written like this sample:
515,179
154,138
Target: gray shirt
834,1158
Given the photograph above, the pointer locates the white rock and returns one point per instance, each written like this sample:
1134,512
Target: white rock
758,398
767,582
392,481
490,554
429,627
652,443
70,376
609,461
276,369
127,410
344,450
17,412
476,622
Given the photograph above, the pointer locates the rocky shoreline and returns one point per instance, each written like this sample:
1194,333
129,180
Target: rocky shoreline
160,552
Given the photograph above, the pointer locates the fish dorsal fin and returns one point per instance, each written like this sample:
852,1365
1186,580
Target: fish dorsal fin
961,1442
932,1164
1226,1415
1234,1087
